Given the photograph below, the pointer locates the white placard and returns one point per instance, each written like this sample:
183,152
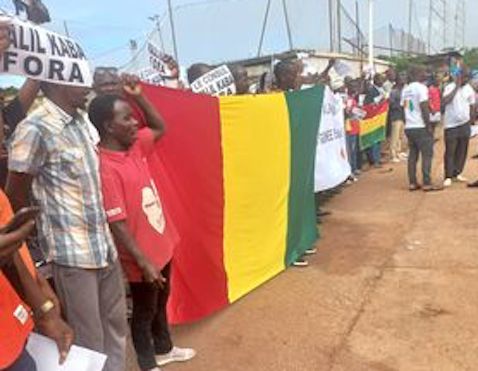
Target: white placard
331,164
217,82
45,353
150,76
44,55
156,61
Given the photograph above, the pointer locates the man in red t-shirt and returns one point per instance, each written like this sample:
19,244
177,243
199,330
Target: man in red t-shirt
139,225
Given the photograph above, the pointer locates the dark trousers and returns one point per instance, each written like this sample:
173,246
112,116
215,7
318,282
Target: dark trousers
420,142
373,154
149,325
456,150
24,363
352,151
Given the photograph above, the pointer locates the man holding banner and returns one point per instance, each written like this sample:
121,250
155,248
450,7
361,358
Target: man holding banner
141,229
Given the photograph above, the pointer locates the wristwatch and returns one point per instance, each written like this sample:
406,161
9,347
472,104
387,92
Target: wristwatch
46,307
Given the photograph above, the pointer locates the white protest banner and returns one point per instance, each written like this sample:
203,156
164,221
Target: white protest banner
43,55
331,164
45,354
219,81
156,61
150,76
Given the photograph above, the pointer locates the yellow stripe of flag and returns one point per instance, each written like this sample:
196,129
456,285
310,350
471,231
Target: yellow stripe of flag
256,154
372,124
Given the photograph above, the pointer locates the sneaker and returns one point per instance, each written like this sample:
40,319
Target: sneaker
403,155
301,262
447,182
432,188
311,251
413,187
322,212
396,160
175,355
460,178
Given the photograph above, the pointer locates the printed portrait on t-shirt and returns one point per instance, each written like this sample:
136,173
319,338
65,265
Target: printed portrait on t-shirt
153,209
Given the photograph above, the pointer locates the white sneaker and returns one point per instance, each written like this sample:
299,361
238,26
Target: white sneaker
311,251
462,179
395,160
301,263
447,182
175,355
403,155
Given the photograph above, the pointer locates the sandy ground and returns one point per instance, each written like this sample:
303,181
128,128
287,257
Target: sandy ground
394,286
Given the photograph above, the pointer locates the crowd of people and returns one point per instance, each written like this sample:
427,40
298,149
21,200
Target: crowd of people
99,213
420,107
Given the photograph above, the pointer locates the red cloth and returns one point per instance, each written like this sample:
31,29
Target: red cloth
14,328
353,126
192,137
434,99
130,194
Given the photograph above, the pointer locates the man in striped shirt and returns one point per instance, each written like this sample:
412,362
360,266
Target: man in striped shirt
54,154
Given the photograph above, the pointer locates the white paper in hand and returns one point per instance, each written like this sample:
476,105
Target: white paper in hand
45,353
474,131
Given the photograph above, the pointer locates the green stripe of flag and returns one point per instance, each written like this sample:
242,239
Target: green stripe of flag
305,109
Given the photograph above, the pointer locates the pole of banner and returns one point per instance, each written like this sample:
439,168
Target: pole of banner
156,19
287,24
370,36
173,31
264,25
67,32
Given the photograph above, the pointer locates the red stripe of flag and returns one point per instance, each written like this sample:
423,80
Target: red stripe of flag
189,175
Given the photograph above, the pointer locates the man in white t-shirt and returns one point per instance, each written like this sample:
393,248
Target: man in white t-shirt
418,128
459,101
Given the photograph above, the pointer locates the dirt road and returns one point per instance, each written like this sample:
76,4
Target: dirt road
394,286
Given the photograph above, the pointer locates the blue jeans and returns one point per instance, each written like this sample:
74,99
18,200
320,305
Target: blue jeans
24,363
352,150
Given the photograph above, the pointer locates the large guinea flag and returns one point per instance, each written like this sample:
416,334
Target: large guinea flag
237,176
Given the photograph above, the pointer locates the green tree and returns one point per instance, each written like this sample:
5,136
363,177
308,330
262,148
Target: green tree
471,58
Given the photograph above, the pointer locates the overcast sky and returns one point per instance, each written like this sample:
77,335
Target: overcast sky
217,30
